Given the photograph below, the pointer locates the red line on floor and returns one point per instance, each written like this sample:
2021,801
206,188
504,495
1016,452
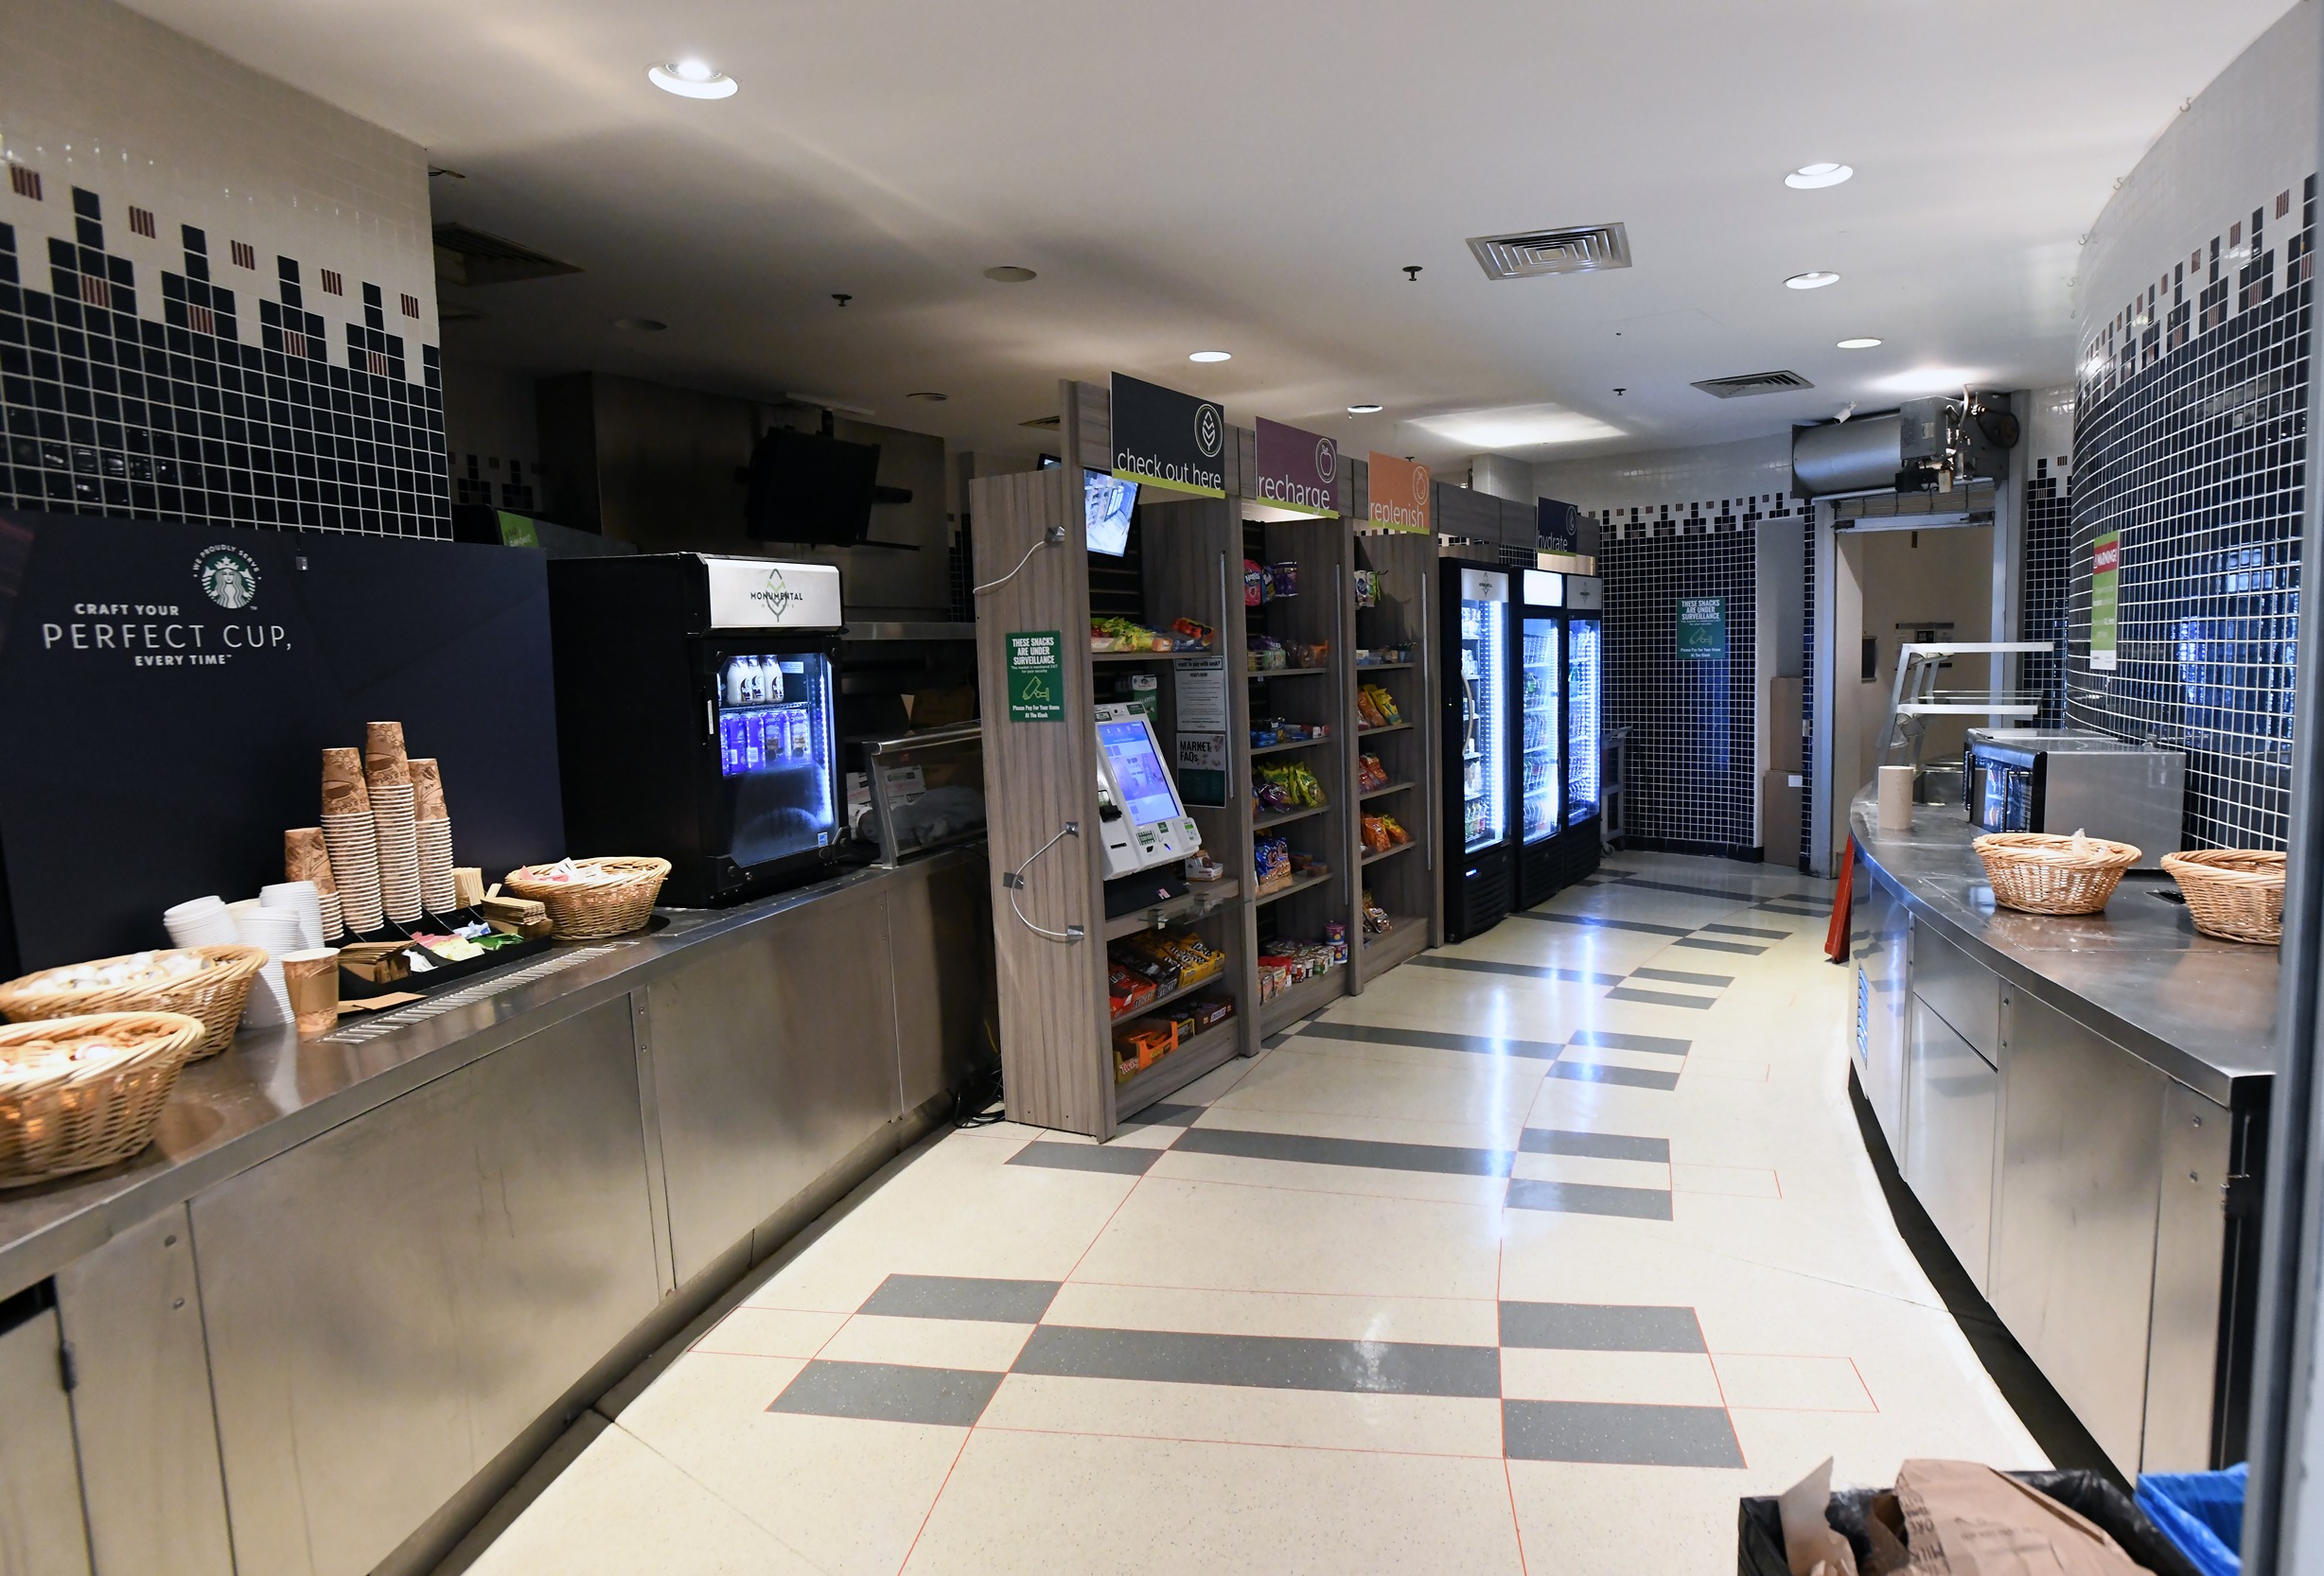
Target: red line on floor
1330,1191
1721,1385
922,1530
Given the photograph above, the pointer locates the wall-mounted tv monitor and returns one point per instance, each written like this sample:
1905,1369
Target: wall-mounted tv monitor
808,488
1108,501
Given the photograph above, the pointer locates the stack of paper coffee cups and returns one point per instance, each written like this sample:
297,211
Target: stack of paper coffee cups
388,774
436,886
352,840
307,857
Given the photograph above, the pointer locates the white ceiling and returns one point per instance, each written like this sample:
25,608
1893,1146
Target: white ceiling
1204,174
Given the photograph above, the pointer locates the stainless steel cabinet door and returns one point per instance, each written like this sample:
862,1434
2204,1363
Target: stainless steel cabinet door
40,1529
141,1404
1952,1103
1882,978
2190,1236
773,1057
389,1303
2073,1253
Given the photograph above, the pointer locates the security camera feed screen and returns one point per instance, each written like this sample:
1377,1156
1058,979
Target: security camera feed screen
1108,501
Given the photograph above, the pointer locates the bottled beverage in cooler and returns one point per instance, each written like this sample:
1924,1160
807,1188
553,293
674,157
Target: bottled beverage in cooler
774,683
755,741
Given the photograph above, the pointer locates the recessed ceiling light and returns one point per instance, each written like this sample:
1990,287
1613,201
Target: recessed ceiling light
1865,343
692,79
1813,280
641,326
1008,273
930,396
1811,177
1212,355
1365,409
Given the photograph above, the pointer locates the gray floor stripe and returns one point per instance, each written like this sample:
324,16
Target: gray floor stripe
1262,1362
1606,1071
1596,1146
1618,1433
1524,970
1163,1114
1600,1327
1120,1160
1658,998
1614,1039
1717,982
1372,1154
1760,932
961,1297
1703,943
888,1393
1592,921
1434,1040
1726,894
1562,1198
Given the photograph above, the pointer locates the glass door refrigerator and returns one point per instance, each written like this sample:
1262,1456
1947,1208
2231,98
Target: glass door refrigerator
1584,697
696,700
1539,626
1480,872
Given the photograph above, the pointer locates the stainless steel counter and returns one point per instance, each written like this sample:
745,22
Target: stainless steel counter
2202,1011
359,1282
2080,1104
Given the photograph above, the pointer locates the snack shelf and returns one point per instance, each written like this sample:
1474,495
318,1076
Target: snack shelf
1381,667
1283,673
1307,996
1143,655
1389,853
1387,788
1206,1052
1147,1010
1268,823
1206,899
1294,744
1407,936
1299,885
1363,732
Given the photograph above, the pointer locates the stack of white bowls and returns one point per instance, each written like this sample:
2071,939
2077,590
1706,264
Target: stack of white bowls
203,922
279,931
301,898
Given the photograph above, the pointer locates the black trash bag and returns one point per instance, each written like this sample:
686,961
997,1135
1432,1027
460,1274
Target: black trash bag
1759,1526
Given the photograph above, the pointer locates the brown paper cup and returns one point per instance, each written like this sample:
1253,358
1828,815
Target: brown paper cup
312,978
428,789
383,755
343,791
307,857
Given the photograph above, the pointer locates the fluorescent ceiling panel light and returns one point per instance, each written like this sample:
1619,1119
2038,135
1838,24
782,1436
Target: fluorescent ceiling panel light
1517,426
1926,381
1814,279
692,79
1816,177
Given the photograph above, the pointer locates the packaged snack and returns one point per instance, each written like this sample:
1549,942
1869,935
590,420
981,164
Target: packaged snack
1367,709
1372,831
1254,584
1186,635
1383,706
1282,580
1140,1045
1396,832
1271,862
1370,773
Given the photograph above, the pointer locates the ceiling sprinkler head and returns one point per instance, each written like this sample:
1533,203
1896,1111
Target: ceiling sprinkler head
1412,274
842,298
1619,393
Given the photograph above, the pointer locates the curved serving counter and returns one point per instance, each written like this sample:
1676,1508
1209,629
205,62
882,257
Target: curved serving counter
359,1283
2081,1106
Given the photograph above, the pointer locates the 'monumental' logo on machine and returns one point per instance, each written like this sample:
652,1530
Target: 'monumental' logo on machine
229,576
776,597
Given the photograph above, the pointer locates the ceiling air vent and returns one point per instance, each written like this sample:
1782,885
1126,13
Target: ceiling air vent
1044,424
1584,249
1752,383
465,256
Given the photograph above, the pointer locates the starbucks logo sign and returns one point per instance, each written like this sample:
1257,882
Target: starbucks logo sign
228,576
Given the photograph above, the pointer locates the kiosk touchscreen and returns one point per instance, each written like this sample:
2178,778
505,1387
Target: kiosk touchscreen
1150,826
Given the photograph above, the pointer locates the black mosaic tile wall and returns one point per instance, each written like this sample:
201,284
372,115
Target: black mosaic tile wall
1807,688
107,411
1693,754
2041,604
2189,439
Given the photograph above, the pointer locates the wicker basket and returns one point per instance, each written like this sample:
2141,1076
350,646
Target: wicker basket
601,897
216,994
2043,872
2234,894
79,1117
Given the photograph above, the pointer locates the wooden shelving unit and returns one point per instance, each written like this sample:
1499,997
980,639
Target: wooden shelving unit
1407,879
1052,931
